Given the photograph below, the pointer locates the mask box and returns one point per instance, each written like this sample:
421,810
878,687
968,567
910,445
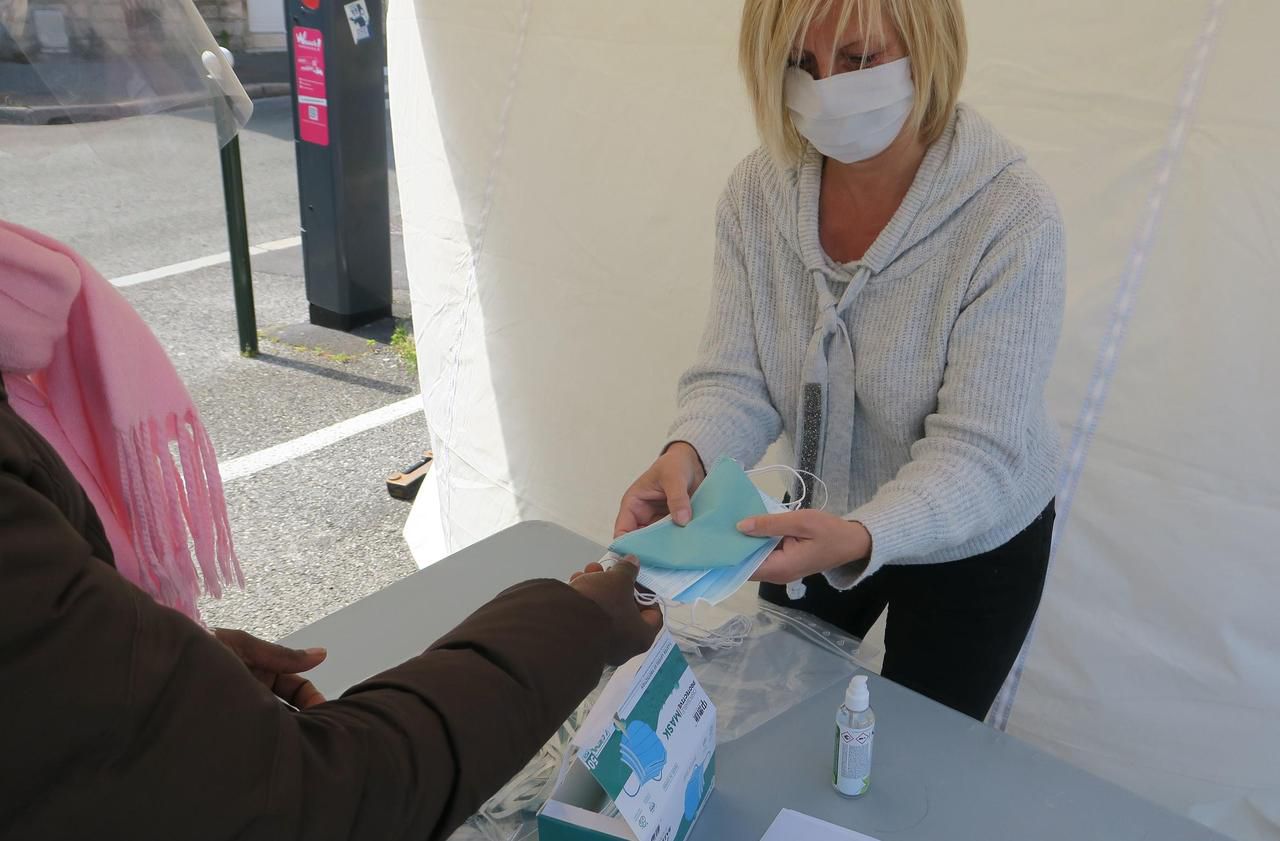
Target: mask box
647,747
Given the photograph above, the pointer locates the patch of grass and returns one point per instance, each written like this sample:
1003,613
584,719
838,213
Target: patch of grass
402,344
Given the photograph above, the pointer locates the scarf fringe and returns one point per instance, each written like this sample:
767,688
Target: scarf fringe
175,506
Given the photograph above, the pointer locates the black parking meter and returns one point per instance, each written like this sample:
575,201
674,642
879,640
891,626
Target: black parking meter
338,52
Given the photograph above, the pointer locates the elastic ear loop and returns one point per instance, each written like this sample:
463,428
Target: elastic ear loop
650,600
796,589
729,635
794,505
644,599
799,475
826,494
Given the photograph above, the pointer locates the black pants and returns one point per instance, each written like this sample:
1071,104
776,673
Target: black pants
954,629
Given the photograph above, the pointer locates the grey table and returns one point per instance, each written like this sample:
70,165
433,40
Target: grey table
937,774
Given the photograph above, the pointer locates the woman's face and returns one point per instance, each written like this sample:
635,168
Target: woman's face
853,49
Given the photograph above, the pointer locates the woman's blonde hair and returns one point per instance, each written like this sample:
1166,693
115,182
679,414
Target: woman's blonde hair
772,30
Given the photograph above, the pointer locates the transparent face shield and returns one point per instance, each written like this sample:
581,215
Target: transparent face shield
82,63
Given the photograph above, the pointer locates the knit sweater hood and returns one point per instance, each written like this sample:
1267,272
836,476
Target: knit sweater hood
944,182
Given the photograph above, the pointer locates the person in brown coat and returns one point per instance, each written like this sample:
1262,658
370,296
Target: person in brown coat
124,718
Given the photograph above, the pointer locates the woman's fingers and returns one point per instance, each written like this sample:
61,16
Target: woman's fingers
626,521
644,502
790,524
791,561
664,488
776,568
676,488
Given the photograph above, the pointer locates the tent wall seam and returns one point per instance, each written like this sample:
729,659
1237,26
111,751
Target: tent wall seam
1121,314
444,453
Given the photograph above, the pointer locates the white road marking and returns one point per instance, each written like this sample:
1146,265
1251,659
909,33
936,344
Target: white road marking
202,263
239,468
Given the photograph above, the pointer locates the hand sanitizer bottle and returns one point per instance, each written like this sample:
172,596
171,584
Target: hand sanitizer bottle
855,730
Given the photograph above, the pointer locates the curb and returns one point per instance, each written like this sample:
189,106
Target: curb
266,90
43,115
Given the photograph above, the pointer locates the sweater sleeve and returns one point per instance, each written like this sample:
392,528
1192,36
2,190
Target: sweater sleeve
972,467
137,723
724,404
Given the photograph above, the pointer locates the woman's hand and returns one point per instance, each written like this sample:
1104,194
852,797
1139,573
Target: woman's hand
276,667
661,490
812,542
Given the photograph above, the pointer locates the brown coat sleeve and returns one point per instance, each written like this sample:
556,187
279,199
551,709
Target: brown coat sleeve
123,719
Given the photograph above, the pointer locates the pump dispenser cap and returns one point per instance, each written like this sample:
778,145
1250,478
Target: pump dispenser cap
856,697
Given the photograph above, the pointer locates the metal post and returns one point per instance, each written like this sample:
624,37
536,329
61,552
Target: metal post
237,224
238,237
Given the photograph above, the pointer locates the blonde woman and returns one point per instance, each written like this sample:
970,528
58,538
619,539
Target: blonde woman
888,294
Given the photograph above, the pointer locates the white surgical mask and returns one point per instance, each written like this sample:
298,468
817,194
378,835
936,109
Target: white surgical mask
851,116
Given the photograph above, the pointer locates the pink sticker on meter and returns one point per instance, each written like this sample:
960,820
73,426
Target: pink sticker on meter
308,69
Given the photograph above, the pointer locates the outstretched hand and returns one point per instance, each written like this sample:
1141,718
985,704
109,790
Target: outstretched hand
633,627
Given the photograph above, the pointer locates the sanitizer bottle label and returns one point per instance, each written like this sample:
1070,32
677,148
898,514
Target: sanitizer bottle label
853,759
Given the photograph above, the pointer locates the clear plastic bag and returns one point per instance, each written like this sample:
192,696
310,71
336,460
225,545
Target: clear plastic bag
788,657
754,659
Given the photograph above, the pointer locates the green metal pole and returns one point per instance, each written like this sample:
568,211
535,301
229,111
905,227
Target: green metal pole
238,236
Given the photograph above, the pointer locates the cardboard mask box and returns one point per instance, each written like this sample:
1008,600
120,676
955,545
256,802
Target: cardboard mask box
648,747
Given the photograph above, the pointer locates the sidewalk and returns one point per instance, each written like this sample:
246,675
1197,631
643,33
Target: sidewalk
316,531
26,98
307,432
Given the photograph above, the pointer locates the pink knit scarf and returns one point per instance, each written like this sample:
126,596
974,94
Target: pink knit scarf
86,372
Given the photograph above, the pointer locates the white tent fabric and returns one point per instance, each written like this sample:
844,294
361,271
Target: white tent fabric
559,165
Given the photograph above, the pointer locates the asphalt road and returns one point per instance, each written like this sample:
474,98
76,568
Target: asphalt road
316,532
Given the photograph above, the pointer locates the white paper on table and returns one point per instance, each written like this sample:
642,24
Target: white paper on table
793,826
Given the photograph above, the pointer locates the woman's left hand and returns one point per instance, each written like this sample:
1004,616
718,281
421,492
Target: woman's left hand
812,542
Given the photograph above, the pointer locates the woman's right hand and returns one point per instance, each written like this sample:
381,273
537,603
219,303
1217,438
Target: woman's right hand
661,490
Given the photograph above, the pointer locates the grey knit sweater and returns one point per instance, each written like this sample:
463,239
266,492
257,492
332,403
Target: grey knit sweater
920,368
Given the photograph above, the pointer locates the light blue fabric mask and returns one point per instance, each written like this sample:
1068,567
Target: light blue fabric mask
719,584
711,539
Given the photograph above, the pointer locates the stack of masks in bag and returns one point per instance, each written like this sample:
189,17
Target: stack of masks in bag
708,559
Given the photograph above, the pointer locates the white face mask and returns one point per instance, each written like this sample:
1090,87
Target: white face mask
851,116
